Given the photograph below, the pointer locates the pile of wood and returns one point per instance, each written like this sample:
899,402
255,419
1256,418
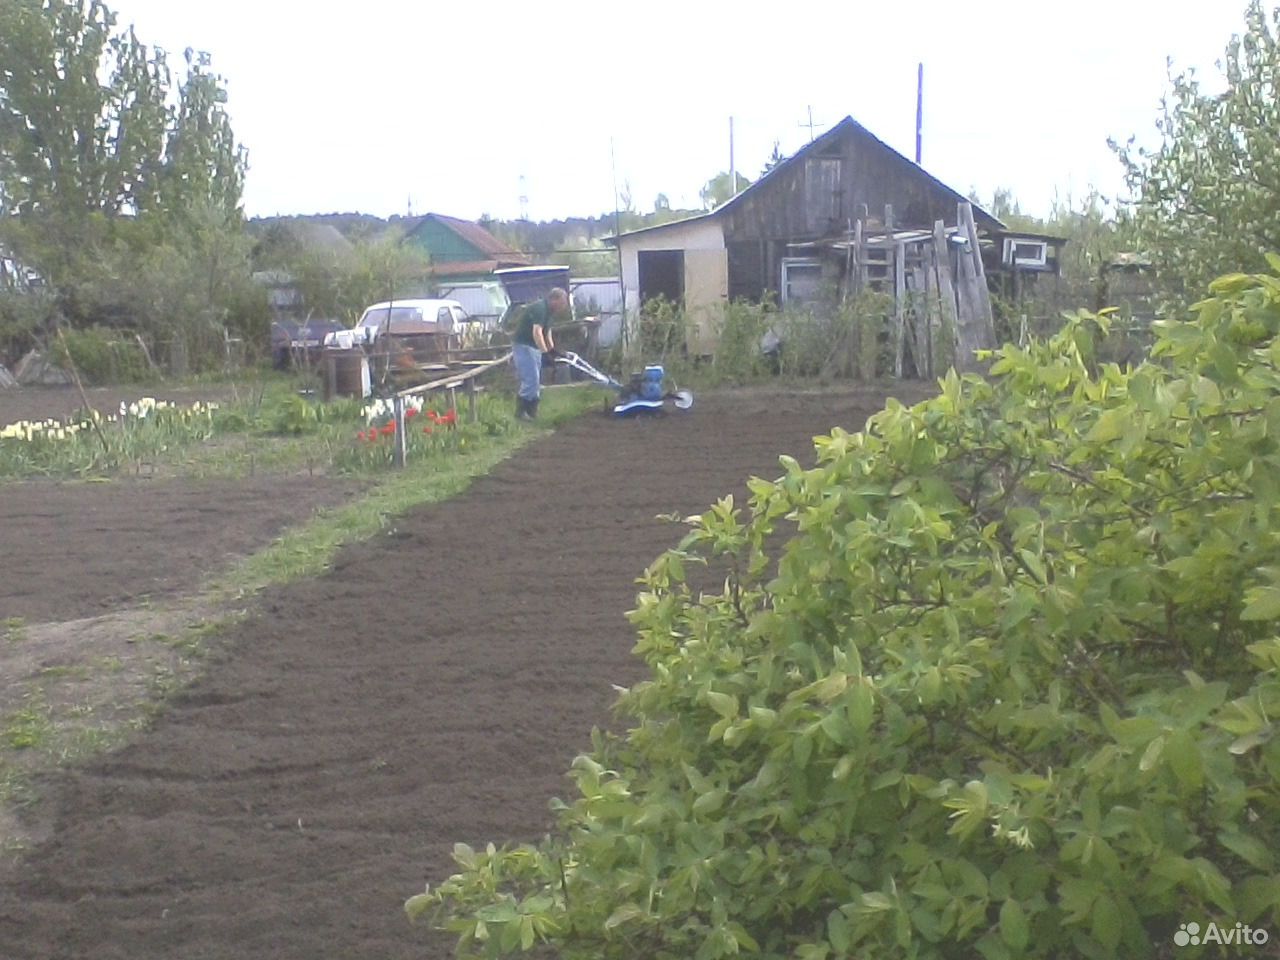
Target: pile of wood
941,306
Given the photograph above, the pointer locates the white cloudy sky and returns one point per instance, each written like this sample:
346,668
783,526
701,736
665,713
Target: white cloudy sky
370,106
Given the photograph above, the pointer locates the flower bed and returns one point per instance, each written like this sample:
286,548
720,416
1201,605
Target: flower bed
428,432
88,442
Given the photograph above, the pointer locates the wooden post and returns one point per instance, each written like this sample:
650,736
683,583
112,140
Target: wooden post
397,412
899,302
945,286
975,329
853,358
330,376
888,217
472,412
846,284
859,259
919,316
928,318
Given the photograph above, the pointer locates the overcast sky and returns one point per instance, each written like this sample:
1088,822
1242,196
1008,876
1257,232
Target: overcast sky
462,108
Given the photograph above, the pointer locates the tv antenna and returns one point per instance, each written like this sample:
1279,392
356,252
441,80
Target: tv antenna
810,124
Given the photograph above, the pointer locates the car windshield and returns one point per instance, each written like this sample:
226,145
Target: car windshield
378,318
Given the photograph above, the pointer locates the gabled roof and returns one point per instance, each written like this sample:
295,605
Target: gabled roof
323,236
471,232
846,126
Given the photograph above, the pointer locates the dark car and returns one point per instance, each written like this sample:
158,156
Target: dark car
295,343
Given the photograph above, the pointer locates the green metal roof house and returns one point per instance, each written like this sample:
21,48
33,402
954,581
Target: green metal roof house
460,249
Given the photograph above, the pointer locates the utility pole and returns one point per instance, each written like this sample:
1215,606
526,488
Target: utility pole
919,111
733,173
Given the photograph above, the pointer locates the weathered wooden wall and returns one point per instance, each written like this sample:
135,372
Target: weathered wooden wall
817,194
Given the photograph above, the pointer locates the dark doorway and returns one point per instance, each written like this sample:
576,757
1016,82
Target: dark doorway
661,274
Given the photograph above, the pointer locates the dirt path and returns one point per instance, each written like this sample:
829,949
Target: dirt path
433,688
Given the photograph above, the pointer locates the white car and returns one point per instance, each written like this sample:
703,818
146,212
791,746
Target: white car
404,317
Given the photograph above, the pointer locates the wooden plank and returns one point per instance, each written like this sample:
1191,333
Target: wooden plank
918,316
930,312
852,362
944,284
859,259
456,379
974,329
899,303
986,317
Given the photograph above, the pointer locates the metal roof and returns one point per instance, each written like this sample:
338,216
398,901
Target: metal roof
472,233
541,268
1031,235
668,224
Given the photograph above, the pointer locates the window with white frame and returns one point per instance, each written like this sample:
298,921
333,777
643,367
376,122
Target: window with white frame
801,280
1025,253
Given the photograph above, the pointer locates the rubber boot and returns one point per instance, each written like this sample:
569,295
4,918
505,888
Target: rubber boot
533,408
522,409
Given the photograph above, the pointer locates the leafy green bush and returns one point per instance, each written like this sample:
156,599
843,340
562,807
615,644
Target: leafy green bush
662,331
739,334
103,355
998,677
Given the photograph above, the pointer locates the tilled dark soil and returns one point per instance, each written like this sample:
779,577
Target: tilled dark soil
72,550
433,688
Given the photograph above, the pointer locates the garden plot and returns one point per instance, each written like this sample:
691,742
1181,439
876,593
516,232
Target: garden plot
432,688
74,550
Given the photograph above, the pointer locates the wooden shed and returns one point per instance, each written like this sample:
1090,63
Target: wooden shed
782,238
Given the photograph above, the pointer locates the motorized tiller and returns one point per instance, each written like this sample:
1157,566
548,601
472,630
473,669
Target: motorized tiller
646,393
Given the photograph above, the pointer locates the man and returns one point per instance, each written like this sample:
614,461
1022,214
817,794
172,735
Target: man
532,339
